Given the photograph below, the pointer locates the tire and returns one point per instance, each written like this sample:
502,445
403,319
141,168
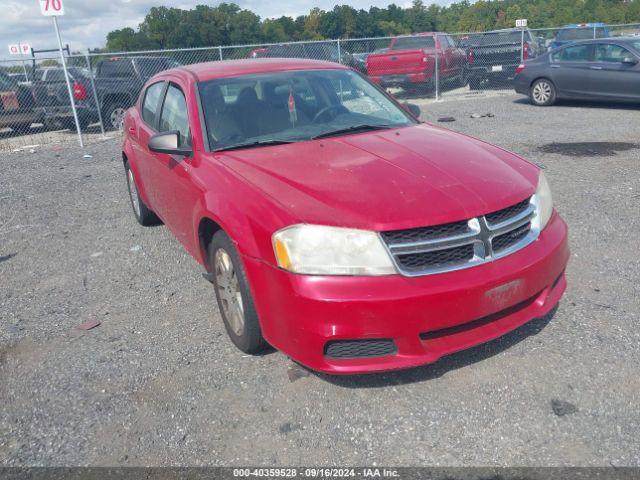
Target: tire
144,215
475,83
70,123
542,93
113,115
234,296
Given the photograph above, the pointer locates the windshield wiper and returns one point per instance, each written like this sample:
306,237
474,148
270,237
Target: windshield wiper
259,143
352,129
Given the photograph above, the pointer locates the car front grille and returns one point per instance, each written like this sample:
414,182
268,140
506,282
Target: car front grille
463,244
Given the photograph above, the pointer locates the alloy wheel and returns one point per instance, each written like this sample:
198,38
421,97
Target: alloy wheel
133,193
229,291
542,92
117,117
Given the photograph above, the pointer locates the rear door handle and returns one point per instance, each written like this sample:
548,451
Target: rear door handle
594,67
132,130
555,66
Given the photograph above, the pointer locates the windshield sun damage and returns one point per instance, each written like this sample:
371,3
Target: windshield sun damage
284,107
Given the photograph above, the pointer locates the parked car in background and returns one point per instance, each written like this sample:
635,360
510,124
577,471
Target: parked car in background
579,31
52,95
360,59
19,77
604,69
119,80
56,74
494,56
336,227
313,50
410,62
17,106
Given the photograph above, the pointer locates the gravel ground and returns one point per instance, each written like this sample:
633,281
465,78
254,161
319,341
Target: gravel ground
159,383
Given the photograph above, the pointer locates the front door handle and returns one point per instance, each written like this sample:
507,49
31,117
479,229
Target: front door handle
594,67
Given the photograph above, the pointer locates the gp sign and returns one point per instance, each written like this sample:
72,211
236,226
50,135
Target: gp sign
51,8
19,49
521,23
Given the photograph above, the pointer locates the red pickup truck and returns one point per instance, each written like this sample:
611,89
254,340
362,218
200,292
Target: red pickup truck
410,62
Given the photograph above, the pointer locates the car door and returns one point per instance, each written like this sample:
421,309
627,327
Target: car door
177,192
611,75
140,133
569,69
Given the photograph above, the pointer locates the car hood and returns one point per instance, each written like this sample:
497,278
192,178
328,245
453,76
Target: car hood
402,178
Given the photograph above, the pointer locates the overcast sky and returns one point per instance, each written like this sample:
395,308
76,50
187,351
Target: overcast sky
87,22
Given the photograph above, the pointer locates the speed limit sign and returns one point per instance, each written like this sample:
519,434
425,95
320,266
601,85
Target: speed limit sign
52,8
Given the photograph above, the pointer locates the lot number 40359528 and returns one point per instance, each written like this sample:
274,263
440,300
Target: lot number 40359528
51,7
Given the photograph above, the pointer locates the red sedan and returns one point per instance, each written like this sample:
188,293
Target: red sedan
332,224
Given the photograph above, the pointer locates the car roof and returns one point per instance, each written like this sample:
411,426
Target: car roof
601,40
234,68
585,25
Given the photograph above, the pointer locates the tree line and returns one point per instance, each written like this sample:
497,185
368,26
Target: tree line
228,24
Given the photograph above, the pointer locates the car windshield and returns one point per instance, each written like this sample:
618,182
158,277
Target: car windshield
636,45
282,107
580,33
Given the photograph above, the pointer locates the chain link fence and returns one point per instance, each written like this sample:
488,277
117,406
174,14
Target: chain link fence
35,106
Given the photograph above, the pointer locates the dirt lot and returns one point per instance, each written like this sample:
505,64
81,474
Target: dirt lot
159,383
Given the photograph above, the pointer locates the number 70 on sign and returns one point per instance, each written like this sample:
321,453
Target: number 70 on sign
51,8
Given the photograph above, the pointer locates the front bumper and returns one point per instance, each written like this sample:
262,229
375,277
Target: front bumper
426,317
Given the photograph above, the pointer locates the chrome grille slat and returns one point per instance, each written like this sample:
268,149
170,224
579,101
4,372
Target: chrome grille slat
435,253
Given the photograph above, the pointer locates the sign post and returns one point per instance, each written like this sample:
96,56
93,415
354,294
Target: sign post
55,8
521,23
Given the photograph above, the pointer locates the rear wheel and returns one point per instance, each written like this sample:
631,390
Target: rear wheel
475,83
542,93
144,215
234,296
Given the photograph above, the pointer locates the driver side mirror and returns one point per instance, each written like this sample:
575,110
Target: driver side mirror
169,143
629,61
413,109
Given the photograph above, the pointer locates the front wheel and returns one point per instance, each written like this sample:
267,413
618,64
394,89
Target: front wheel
542,93
234,296
113,115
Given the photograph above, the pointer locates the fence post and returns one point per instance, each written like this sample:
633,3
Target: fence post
339,51
95,93
522,45
220,52
594,32
437,68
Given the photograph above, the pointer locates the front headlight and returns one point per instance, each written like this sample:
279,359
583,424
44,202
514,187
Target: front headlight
544,207
321,250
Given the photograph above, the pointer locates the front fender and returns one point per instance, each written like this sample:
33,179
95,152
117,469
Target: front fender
245,213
